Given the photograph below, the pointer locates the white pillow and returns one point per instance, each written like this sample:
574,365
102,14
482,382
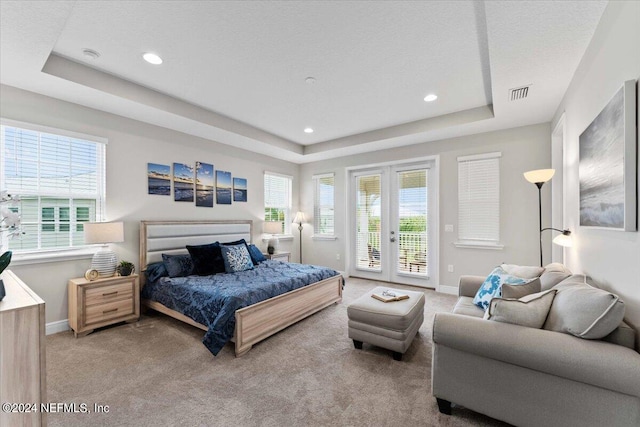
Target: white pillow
530,311
526,272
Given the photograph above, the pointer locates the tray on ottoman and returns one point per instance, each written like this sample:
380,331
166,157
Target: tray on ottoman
391,325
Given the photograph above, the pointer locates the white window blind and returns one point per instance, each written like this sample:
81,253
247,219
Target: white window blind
412,222
479,199
323,205
60,181
277,200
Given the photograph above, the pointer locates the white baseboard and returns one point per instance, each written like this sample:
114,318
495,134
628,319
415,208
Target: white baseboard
453,290
55,327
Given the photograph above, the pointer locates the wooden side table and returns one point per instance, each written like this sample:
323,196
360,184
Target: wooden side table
103,302
279,256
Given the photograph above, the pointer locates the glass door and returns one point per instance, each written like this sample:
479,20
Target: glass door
393,229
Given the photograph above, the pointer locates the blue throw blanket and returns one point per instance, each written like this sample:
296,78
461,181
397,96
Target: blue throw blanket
213,300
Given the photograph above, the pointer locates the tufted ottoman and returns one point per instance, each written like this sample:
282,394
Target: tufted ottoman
390,325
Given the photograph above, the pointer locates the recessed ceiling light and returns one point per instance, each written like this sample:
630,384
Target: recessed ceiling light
310,80
152,58
90,54
308,130
431,97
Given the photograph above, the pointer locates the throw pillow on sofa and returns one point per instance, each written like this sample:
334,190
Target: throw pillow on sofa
518,291
584,311
524,271
554,273
530,311
492,286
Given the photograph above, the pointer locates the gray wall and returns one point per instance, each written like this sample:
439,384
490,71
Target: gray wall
611,258
523,149
131,146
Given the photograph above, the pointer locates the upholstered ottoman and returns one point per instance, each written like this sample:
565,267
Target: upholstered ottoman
390,325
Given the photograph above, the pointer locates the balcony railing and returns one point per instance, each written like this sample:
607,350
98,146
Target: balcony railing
412,252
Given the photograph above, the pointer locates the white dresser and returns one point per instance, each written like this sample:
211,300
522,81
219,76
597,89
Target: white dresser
22,353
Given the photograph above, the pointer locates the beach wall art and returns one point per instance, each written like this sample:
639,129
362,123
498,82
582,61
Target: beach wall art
608,165
204,184
199,184
223,187
183,182
159,179
239,190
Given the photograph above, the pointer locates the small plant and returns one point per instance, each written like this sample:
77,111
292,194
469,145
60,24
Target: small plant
125,268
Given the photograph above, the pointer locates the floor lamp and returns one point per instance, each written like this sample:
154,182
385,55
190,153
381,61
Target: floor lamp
299,219
539,177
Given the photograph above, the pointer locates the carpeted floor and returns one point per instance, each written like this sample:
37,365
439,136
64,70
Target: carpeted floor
157,373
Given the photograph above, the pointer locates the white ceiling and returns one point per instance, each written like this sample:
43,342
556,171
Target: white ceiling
234,72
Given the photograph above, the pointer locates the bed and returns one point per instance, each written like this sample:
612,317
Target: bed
252,323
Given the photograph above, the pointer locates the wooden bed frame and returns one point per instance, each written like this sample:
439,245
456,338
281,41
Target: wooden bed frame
253,323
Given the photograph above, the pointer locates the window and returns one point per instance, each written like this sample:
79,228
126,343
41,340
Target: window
59,177
323,202
479,200
277,200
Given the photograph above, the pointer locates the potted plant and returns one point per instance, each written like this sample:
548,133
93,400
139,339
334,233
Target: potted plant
125,268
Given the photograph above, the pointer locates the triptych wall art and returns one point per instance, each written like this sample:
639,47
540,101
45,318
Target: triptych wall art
608,165
196,184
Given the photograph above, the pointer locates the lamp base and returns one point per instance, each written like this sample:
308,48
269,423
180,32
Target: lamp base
272,246
105,262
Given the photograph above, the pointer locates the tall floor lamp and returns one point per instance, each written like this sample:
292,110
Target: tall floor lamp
299,219
539,177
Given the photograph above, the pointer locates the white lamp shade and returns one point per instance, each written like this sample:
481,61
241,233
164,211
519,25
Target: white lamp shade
272,227
563,240
539,175
300,218
103,232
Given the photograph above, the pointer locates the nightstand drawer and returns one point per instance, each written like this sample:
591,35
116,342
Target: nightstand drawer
109,311
109,293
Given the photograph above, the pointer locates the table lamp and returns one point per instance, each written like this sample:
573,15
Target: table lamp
105,260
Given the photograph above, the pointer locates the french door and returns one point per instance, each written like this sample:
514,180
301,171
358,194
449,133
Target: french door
394,224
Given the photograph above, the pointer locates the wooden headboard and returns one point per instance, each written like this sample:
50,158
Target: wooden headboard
171,237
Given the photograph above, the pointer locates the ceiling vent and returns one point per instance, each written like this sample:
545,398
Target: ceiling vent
519,93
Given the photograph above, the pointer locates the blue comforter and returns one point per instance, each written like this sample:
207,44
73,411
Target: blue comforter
213,300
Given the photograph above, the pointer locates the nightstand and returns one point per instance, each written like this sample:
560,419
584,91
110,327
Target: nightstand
279,256
102,302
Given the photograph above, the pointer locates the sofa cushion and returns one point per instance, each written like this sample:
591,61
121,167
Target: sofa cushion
465,306
623,335
554,273
584,311
492,286
526,272
518,291
530,311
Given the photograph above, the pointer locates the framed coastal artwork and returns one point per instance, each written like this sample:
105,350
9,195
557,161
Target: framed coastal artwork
239,189
608,165
204,184
183,182
223,187
159,179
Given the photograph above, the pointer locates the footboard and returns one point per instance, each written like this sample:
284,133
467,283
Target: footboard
259,321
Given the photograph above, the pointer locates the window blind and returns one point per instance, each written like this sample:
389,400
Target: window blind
60,181
368,221
277,199
479,198
412,221
323,205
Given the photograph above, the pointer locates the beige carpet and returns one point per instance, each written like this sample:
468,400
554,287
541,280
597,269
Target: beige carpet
157,373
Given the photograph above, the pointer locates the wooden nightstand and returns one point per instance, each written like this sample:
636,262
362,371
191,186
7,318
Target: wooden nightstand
103,302
279,256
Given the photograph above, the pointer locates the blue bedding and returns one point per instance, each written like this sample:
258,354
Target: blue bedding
213,300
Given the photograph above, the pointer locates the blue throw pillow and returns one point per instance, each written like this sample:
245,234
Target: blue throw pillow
256,254
178,265
155,271
236,258
492,286
207,259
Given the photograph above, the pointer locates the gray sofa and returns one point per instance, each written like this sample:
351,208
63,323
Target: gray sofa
533,377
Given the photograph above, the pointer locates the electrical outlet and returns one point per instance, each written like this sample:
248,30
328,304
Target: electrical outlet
448,228
337,257
450,268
